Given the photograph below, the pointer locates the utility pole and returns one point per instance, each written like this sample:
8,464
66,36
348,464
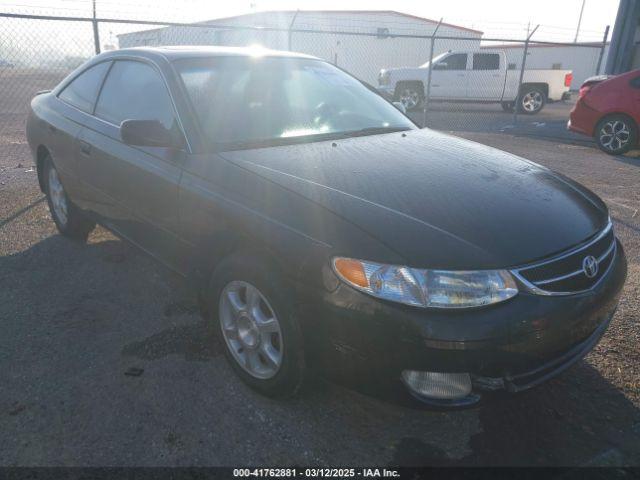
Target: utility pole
575,40
96,33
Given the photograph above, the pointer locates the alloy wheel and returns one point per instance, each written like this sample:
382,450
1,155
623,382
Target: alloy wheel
410,98
251,329
58,196
614,135
532,101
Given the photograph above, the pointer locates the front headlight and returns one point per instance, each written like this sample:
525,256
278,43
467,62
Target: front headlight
427,288
383,78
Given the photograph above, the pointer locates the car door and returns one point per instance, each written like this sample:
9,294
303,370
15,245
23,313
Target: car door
449,77
73,107
139,184
486,78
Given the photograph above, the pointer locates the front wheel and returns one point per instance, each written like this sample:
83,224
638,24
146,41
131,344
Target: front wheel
531,100
254,313
410,96
616,134
68,218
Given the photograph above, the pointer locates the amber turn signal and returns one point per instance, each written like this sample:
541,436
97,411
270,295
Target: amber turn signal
351,271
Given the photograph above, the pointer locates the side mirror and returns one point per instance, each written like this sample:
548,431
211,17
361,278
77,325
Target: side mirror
400,106
150,133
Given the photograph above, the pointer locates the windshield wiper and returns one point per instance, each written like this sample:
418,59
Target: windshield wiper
372,131
316,137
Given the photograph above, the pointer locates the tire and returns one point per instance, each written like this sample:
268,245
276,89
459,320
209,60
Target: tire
616,134
266,356
508,106
531,100
410,95
68,218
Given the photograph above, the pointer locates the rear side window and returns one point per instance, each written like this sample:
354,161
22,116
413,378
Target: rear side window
457,61
83,90
134,91
486,61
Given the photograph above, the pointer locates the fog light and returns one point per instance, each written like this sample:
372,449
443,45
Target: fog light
437,385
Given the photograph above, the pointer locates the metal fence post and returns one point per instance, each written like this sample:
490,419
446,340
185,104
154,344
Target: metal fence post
96,32
604,45
524,61
427,95
293,20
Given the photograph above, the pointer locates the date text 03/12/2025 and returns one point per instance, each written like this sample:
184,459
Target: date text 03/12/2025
316,472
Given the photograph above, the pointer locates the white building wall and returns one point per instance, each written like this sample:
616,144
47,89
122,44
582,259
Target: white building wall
362,56
581,60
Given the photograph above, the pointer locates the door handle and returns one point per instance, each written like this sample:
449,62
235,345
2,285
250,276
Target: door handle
85,148
461,74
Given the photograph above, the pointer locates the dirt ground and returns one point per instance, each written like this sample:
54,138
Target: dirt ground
76,319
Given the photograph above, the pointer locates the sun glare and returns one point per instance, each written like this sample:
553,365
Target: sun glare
298,132
257,50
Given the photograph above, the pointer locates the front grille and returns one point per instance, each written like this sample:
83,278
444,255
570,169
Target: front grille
565,273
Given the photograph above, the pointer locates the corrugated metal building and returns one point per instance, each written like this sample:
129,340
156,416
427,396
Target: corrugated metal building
362,56
581,58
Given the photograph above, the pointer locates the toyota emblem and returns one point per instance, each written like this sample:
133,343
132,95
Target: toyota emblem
590,266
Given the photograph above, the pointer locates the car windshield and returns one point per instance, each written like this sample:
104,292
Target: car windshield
248,101
435,60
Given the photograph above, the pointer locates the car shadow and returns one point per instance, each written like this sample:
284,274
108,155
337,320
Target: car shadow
579,418
82,296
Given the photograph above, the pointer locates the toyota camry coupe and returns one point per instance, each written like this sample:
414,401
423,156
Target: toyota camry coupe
323,228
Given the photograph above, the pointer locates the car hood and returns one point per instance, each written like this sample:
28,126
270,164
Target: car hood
436,200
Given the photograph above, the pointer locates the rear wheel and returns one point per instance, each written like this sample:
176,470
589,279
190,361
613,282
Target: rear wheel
616,134
253,311
68,218
531,100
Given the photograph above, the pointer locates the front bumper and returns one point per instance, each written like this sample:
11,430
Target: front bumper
546,371
510,346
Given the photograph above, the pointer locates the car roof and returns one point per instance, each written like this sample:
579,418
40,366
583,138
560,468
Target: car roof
195,51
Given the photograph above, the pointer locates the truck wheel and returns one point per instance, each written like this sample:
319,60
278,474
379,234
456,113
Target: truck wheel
410,96
531,100
508,106
616,134
68,218
253,311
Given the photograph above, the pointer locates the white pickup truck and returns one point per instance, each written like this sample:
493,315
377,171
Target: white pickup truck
473,76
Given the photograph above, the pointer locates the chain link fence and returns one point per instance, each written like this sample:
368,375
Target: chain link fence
449,77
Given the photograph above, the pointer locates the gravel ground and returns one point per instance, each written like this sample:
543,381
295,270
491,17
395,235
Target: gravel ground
105,361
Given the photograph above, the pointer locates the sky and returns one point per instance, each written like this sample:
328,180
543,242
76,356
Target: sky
497,18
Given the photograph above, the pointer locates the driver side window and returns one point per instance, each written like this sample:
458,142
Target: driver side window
135,91
457,61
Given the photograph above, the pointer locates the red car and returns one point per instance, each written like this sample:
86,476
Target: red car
608,109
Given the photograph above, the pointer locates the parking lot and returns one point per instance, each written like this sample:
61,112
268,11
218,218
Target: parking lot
105,360
550,123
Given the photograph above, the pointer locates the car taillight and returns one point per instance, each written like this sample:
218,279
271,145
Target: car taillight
583,91
568,78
